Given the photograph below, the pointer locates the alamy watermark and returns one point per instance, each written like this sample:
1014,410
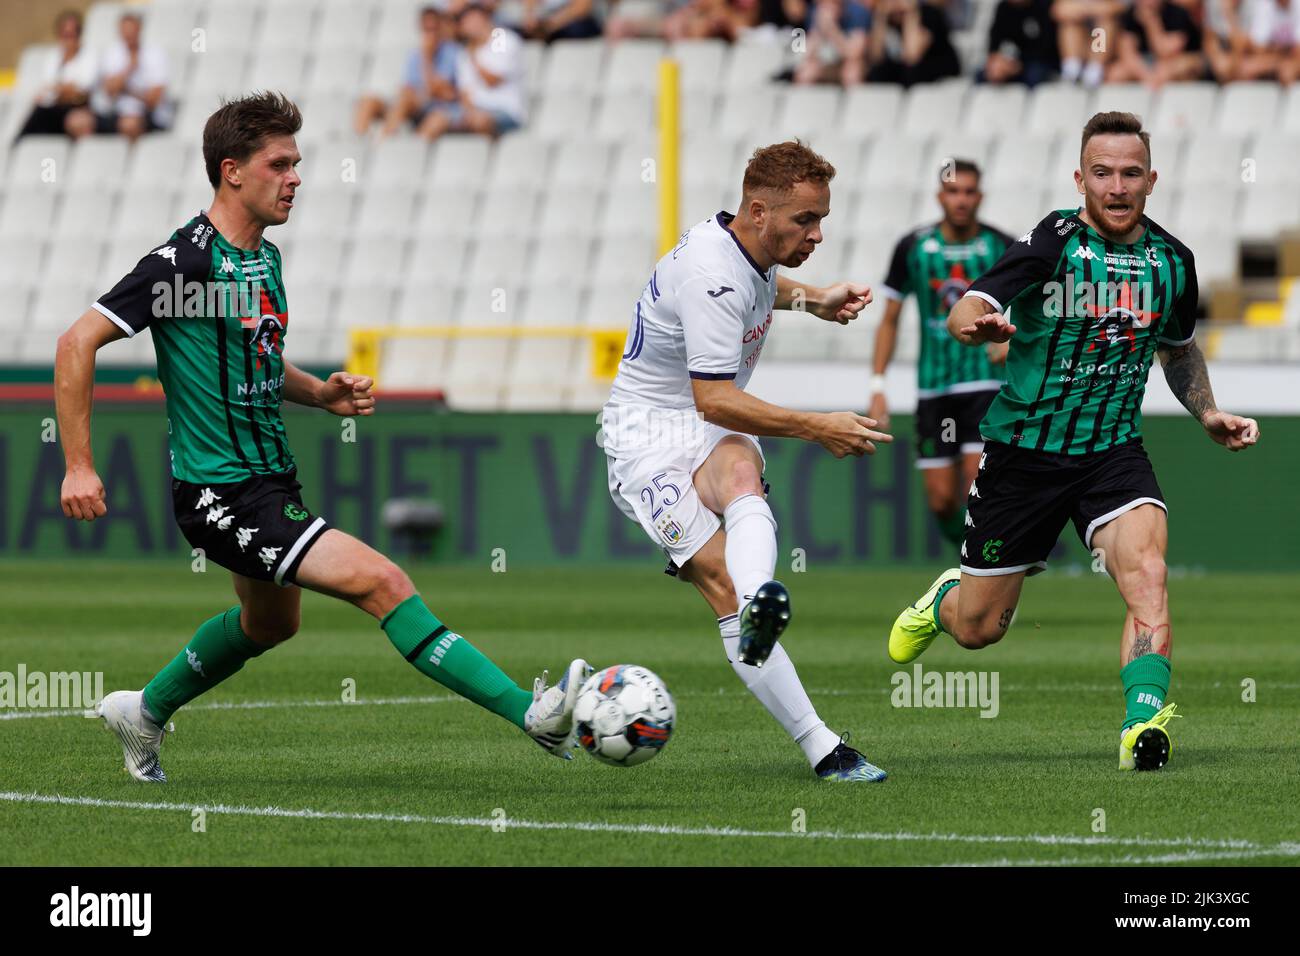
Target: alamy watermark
73,690
921,688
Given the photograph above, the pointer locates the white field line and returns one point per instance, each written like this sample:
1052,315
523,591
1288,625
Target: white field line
1189,856
14,714
1191,844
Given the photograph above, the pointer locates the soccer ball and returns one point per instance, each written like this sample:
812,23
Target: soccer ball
624,715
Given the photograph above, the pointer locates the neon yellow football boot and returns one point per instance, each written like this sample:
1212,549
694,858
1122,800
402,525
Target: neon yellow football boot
916,627
1147,746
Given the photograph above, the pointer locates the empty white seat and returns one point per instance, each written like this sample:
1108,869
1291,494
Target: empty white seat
336,71
98,161
633,66
20,264
506,212
21,208
399,22
287,19
871,109
580,162
568,211
847,153
497,261
1058,108
438,259
700,202
426,302
554,301
894,160
476,373
628,259
84,212
386,212
610,305
1204,211
1267,211
376,260
322,213
746,114
215,76
447,211
397,163
805,110
1274,154
315,259
568,260
231,30
931,109
384,70
1213,159
362,303
1018,161
285,71
629,162
946,148
172,23
624,114
1014,211
158,159
699,113
883,211
1123,98
458,161
996,109
1183,106
711,160
520,160
487,303
564,116
751,66
334,165
630,211
700,64
539,372
59,304
345,24
573,66
39,161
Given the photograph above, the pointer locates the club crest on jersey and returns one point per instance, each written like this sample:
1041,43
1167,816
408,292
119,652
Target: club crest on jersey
952,287
268,330
1120,322
670,529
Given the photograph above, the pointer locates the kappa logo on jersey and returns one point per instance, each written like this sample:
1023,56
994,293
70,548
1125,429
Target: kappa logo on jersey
217,515
1121,321
951,288
1027,238
227,266
206,497
195,664
1083,252
720,292
268,556
245,535
168,253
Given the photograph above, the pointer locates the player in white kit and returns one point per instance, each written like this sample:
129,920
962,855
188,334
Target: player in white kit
679,430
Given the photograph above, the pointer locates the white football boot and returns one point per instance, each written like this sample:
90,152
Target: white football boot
549,719
141,738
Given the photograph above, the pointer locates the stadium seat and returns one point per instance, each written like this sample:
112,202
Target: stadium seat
1212,159
894,160
447,211
399,22
424,302
700,202
345,24
1058,109
458,161
629,113
630,211
632,66
474,379
21,258
98,161
1274,153
322,213
846,152
805,110
568,211
945,148
1123,97
317,258
382,70
396,163
506,212
336,71
565,118
566,261
1014,211
285,71
22,207
825,265
1182,107
883,211
628,164
495,262
701,63
170,24
159,159
627,259
996,110
870,109
580,163
746,116
932,109
574,66
83,212
1267,210
1289,116
1017,161
363,303
439,258
1209,210
711,160
554,300
216,76
538,373
376,259
39,161
751,67
520,160
611,305
59,304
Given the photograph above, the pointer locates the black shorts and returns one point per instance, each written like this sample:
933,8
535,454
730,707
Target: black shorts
1021,500
948,426
257,527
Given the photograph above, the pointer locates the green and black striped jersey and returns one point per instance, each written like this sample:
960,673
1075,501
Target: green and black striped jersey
938,273
218,316
1089,315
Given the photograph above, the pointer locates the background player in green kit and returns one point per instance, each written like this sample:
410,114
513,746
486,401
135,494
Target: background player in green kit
936,263
1086,299
214,301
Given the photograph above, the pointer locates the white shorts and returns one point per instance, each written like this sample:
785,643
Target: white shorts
652,472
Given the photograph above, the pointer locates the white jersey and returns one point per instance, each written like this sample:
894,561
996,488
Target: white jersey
705,313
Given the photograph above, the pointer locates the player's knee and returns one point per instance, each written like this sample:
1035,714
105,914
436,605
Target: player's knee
1146,580
391,584
980,632
271,630
744,479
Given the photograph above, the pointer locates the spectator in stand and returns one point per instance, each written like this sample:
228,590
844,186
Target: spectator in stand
428,81
66,81
910,43
1022,44
552,20
131,96
1273,27
1084,57
1159,43
1225,39
490,72
621,26
720,19
838,35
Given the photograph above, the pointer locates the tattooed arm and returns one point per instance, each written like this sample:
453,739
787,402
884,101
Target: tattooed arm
1189,380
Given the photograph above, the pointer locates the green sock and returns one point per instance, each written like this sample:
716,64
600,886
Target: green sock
953,527
938,599
452,661
218,649
1146,685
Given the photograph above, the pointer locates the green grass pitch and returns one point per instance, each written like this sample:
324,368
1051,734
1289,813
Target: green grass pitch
291,775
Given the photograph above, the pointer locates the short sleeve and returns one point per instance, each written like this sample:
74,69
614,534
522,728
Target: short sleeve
1029,260
713,322
1181,327
896,282
146,293
505,61
411,74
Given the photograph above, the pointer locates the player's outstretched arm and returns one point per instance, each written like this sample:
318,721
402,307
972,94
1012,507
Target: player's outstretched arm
882,355
1189,380
82,494
341,393
974,321
840,433
840,302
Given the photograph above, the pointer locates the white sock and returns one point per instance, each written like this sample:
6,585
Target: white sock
751,545
1092,74
777,687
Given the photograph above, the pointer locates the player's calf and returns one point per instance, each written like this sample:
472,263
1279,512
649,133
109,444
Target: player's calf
982,627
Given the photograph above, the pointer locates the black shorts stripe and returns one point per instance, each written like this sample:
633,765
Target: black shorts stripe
416,651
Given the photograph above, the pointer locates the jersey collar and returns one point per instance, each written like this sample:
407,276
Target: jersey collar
723,219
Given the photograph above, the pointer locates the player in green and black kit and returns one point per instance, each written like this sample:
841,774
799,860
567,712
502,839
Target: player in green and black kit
937,263
1086,298
213,297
